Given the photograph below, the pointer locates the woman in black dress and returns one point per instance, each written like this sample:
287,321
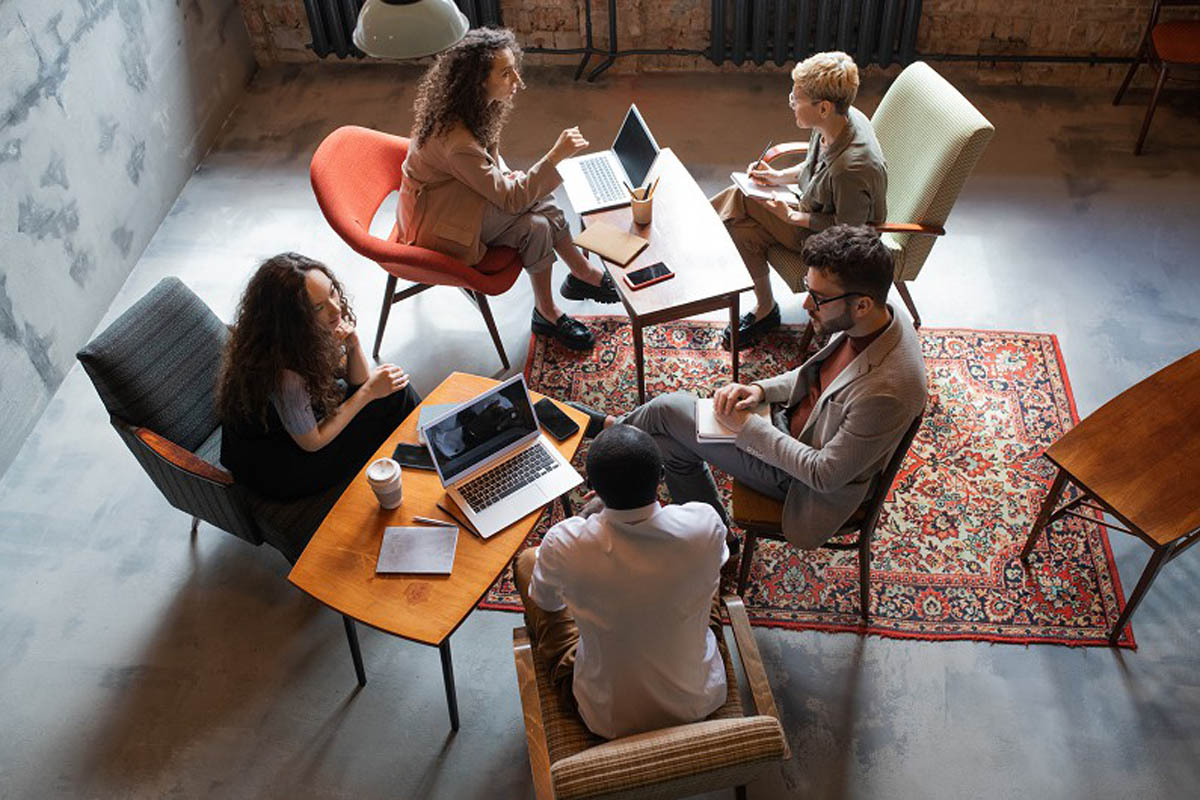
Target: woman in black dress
301,408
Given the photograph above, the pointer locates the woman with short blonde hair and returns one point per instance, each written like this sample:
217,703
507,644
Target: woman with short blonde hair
843,180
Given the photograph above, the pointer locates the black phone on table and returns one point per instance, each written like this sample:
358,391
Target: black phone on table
413,455
558,424
648,276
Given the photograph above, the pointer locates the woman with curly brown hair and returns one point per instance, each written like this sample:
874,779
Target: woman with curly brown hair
459,196
301,409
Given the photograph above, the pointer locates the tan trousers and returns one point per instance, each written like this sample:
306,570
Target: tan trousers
556,637
753,230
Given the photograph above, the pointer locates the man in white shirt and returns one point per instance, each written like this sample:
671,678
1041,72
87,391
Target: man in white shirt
621,603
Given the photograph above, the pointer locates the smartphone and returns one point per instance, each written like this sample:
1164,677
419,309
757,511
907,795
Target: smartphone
413,455
648,276
558,424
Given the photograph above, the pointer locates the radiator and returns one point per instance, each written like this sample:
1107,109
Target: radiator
871,31
332,22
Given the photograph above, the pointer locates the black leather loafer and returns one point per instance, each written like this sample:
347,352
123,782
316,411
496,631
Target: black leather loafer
596,418
750,330
574,289
568,330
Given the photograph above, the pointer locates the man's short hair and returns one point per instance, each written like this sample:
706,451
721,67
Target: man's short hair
829,76
624,467
853,255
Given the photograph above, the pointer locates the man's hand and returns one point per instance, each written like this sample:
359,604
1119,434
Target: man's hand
733,404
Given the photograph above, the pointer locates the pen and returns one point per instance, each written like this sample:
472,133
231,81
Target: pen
628,189
759,160
450,513
432,520
653,187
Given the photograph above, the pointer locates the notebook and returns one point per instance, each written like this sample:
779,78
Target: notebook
424,550
709,430
611,243
789,194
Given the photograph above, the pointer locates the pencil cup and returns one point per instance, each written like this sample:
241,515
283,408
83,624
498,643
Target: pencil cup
384,477
642,206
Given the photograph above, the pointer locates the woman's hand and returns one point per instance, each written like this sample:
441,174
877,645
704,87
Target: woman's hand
759,172
346,333
783,211
569,143
385,379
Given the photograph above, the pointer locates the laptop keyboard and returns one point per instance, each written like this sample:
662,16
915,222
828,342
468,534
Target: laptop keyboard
516,473
600,178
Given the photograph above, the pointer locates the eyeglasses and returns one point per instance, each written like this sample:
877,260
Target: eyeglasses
819,301
793,102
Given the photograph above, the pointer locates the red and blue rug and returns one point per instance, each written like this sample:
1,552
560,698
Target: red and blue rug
945,556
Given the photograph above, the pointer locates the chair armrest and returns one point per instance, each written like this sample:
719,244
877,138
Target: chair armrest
183,459
764,700
911,227
786,149
531,708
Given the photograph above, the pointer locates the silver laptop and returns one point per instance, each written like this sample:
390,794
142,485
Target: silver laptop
493,459
594,181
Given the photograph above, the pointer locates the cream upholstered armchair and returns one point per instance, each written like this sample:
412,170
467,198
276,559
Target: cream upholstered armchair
931,138
729,748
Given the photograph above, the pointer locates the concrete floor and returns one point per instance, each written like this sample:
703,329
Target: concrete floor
137,663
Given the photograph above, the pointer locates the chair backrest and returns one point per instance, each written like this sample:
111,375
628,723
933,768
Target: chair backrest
888,476
353,170
931,137
156,365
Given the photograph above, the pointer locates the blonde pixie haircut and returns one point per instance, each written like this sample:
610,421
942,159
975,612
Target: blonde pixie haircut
829,76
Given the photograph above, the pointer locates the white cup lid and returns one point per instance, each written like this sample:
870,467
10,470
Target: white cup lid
383,470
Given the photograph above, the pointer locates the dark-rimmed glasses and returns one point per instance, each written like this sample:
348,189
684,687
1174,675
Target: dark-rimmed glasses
819,301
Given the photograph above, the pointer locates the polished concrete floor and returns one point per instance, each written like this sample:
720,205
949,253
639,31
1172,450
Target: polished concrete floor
135,662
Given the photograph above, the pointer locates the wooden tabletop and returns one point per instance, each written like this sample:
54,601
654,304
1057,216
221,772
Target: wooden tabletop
685,233
1140,452
338,565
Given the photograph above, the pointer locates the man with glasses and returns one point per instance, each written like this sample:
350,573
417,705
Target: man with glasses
835,420
843,180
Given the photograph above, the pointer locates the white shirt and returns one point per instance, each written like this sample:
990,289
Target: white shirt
639,583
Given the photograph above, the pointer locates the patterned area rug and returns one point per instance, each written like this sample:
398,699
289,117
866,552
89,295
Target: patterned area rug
945,557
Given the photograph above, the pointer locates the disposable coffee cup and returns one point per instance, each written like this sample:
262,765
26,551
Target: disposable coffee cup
642,206
384,477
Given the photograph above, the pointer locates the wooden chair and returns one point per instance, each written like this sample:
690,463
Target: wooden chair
729,748
352,172
760,517
1165,46
931,137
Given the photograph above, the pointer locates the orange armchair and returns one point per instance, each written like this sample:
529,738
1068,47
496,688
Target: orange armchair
352,172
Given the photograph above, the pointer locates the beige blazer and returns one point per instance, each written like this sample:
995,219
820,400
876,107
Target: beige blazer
448,182
852,432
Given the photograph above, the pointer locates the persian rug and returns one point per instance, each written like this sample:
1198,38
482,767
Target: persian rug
945,559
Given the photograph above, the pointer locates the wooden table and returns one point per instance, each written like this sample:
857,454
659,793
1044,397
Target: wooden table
689,237
338,565
1137,459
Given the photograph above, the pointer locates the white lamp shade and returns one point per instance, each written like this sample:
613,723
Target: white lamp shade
411,30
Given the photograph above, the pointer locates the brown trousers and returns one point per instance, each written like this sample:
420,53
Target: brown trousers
753,230
556,637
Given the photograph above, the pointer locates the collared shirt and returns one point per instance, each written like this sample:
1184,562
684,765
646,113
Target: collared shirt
639,583
845,182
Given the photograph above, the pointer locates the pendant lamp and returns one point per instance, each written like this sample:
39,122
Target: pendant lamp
408,28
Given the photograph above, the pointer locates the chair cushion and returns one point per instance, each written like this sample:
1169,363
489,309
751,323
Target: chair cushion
1177,41
156,365
288,526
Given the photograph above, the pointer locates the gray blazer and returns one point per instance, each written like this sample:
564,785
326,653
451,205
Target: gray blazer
852,432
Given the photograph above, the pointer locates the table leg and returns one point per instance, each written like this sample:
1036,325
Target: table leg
1048,505
355,653
1161,556
734,323
639,359
448,679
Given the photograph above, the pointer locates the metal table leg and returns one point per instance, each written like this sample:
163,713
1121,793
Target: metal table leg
640,359
448,679
355,652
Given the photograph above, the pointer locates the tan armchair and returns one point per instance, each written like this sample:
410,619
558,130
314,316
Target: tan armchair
729,748
931,137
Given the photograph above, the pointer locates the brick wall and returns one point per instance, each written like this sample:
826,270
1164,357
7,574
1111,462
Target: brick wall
279,31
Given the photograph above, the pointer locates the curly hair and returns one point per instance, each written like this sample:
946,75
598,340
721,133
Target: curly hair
452,89
276,328
855,256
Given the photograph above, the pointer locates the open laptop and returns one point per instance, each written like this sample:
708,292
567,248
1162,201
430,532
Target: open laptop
493,459
593,181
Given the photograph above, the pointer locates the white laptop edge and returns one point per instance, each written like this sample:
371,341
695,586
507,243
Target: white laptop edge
572,174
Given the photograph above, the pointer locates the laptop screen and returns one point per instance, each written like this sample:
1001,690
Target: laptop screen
492,422
635,147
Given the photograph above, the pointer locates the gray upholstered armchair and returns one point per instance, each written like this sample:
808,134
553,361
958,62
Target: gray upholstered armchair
155,368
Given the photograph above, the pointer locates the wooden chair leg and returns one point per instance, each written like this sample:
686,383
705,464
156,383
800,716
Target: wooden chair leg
485,309
902,288
747,558
1162,78
388,298
1137,62
864,575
